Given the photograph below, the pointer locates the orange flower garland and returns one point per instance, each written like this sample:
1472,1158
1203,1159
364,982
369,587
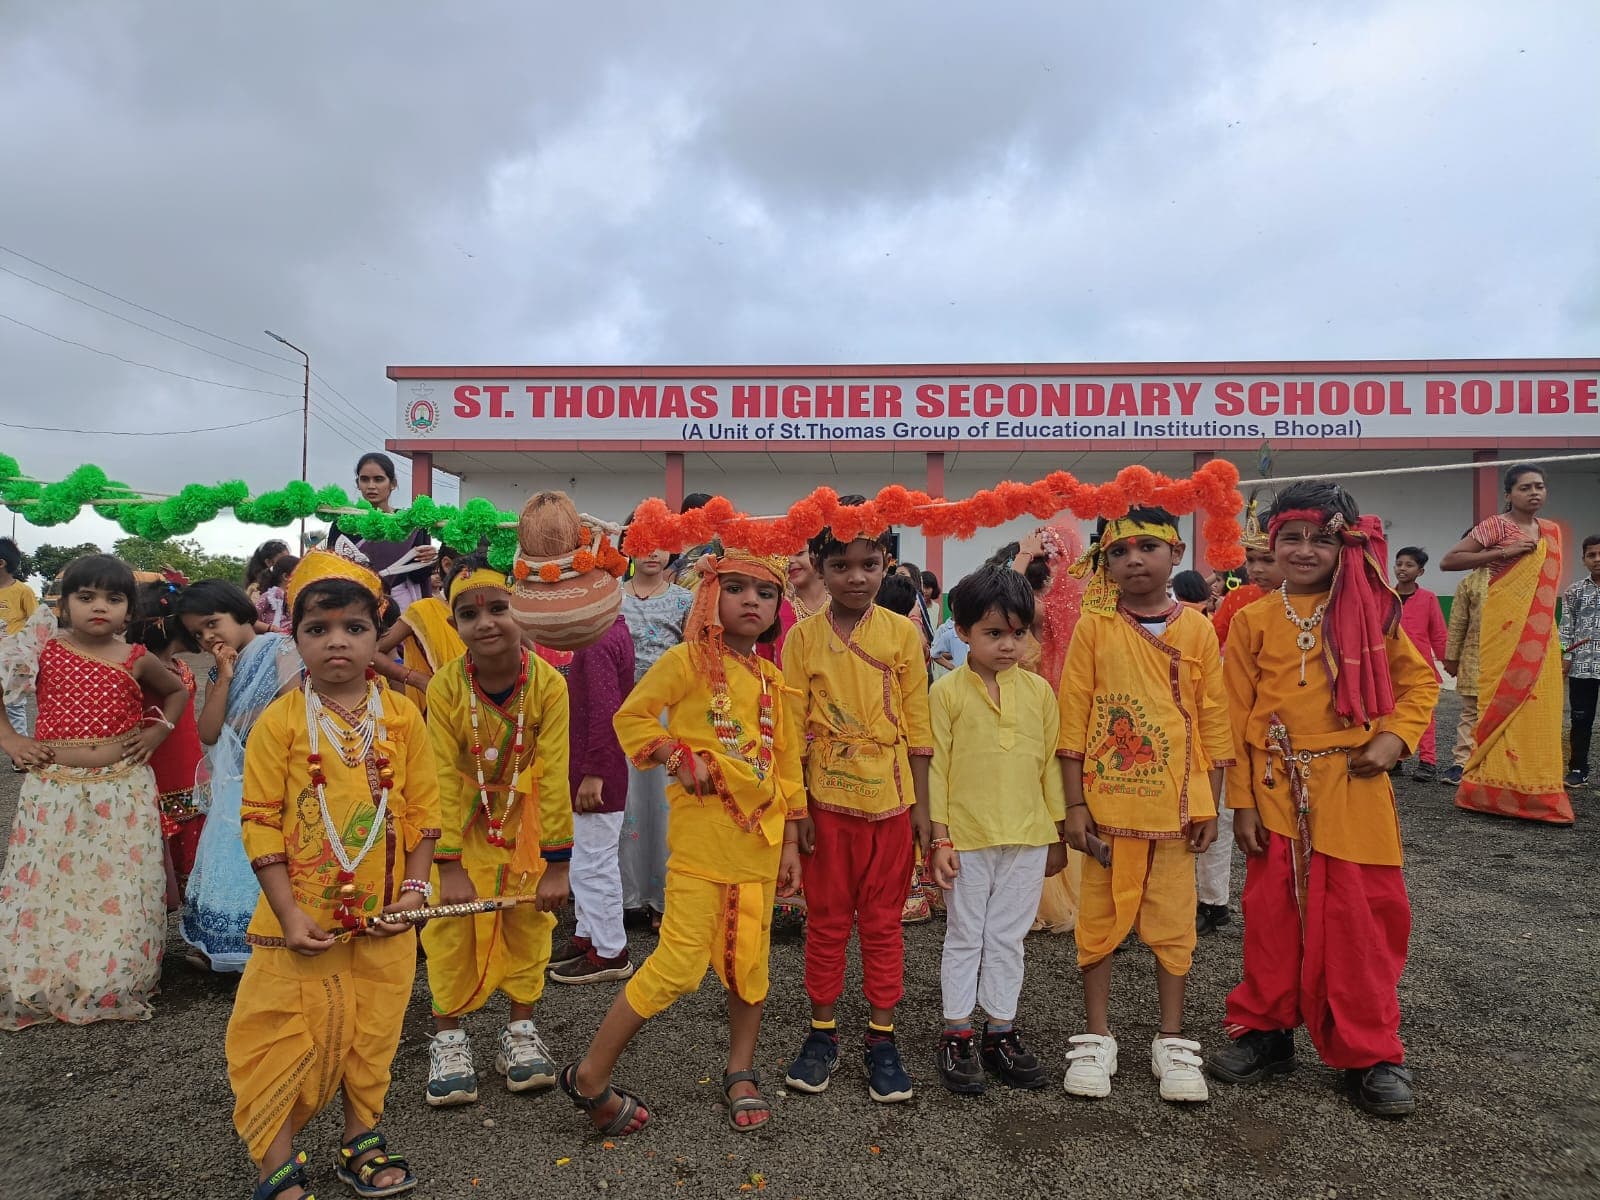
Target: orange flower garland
1212,490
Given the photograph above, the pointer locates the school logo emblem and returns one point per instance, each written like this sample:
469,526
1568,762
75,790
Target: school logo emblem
422,414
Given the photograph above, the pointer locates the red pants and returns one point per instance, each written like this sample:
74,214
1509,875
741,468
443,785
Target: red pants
1340,979
857,875
1425,746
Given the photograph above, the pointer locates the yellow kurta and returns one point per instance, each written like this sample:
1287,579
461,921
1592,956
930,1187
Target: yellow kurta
303,1026
865,711
723,851
994,779
469,958
1148,717
1351,819
433,644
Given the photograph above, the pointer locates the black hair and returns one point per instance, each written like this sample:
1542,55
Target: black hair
898,594
155,624
103,572
1037,572
693,501
277,575
1191,586
258,560
1592,540
915,571
1144,515
988,587
329,595
383,460
825,546
1415,553
214,596
1318,495
1516,472
931,581
462,565
11,555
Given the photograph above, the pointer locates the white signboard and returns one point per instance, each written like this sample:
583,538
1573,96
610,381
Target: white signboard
1005,408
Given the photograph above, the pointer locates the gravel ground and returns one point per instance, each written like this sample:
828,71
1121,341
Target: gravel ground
1501,1005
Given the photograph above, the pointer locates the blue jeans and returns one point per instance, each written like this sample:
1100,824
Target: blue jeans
17,715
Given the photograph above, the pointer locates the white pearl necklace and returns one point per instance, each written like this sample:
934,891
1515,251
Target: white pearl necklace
317,719
1306,642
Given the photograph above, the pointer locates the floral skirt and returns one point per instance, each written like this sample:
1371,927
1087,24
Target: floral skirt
82,912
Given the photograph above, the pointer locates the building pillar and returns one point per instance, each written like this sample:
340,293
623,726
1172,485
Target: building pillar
674,495
421,473
1197,548
1485,486
933,547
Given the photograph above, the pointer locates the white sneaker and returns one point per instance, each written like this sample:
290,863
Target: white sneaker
524,1059
452,1079
1091,1063
1175,1061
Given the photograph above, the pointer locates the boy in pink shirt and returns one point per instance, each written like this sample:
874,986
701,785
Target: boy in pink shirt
1423,620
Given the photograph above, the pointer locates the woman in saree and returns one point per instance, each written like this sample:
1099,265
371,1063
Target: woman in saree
1515,768
252,670
427,643
405,567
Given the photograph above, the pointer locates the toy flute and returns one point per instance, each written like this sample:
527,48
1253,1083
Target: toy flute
419,916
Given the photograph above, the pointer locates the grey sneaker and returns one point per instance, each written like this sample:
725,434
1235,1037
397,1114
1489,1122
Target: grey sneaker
524,1059
452,1079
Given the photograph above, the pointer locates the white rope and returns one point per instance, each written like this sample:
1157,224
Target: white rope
1463,466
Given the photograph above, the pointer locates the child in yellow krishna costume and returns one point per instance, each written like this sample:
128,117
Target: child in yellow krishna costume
340,814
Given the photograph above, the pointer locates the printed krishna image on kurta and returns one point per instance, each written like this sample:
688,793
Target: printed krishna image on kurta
1124,742
313,870
851,760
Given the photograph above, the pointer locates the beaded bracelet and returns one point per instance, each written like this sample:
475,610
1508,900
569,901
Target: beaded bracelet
941,844
676,759
421,887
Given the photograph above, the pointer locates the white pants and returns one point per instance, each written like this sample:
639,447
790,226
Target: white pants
596,881
1213,869
987,915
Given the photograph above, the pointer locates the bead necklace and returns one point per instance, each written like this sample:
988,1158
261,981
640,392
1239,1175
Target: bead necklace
728,732
1306,642
367,732
802,610
496,834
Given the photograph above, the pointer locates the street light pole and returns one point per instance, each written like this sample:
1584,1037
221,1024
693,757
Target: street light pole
305,418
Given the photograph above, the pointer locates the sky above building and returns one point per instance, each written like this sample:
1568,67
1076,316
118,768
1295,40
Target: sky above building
412,182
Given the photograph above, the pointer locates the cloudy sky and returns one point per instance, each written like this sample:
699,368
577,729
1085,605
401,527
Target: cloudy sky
411,182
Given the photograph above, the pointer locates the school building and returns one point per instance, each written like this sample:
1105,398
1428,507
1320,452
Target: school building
766,435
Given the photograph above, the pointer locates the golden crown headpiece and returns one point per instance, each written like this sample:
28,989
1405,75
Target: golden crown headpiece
319,565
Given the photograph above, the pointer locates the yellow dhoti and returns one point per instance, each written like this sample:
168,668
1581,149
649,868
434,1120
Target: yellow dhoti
304,1026
1058,900
469,958
1149,887
727,926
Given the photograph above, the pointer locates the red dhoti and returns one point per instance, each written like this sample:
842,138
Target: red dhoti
1339,975
857,875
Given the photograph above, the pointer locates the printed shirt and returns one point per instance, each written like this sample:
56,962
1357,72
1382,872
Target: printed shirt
1146,715
865,711
734,837
1350,819
994,779
1580,619
543,775
17,602
1461,636
656,624
282,819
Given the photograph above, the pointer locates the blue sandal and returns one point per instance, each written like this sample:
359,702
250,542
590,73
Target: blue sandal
291,1174
359,1178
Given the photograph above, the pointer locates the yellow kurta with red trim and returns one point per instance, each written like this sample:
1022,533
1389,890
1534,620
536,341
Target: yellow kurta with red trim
1147,715
864,713
1351,819
737,838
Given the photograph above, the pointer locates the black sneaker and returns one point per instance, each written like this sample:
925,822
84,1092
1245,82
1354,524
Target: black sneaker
887,1081
1253,1056
1576,778
1014,1063
1398,770
1384,1090
814,1067
1450,775
959,1068
1211,917
1426,772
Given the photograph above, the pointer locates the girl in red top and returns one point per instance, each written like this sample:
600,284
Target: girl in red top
158,629
82,923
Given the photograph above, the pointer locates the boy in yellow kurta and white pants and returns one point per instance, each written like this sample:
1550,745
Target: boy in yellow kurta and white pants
497,719
1144,740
